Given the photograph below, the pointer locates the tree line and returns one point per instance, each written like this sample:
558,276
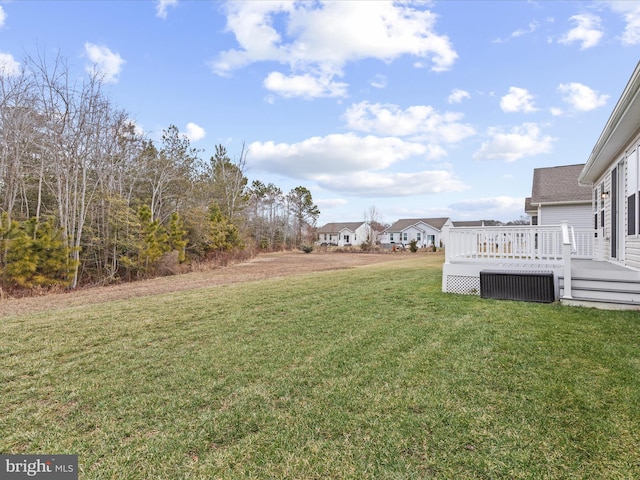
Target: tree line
88,199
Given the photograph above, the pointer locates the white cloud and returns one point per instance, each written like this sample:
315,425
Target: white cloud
581,97
435,152
587,32
305,86
320,38
376,184
532,27
631,14
328,203
162,7
353,165
490,208
523,141
334,154
8,65
104,62
3,17
458,95
420,121
194,132
517,100
378,81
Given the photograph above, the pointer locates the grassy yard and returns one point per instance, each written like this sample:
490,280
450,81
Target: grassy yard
368,373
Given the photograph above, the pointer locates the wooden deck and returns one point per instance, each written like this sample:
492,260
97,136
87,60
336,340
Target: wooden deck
559,249
582,267
600,284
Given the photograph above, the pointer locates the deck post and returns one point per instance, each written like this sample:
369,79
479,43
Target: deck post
566,259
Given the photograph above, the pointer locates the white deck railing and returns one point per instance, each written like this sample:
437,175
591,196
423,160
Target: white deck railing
541,243
548,245
583,242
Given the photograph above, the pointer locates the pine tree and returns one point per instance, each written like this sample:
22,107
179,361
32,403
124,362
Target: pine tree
223,235
177,236
36,255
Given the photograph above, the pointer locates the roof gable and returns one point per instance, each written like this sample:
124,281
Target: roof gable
559,185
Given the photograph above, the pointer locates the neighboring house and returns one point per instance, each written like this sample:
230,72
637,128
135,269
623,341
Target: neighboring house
612,174
556,196
425,231
345,234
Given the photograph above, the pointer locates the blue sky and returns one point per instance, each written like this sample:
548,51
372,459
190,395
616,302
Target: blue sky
419,109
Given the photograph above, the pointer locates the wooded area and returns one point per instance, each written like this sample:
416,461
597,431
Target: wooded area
89,199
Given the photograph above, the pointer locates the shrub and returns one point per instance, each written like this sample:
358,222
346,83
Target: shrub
307,248
413,245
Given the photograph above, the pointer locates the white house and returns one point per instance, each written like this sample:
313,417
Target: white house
345,234
556,196
612,174
426,232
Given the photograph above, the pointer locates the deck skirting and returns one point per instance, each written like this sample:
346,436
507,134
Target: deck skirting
464,277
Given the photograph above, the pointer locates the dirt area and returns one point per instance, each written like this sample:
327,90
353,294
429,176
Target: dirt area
270,265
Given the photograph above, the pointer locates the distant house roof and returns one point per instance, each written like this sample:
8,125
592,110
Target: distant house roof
528,208
558,185
338,227
469,223
405,223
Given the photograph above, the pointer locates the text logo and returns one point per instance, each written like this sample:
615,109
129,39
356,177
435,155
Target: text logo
46,467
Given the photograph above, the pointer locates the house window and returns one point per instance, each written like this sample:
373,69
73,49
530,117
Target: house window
391,237
632,192
534,220
346,238
601,205
404,237
418,236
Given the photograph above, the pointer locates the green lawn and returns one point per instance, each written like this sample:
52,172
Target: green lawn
368,373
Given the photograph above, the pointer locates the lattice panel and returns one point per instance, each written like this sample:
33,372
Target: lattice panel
463,285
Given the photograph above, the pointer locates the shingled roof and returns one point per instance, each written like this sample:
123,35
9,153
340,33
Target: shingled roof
401,224
338,227
469,223
558,185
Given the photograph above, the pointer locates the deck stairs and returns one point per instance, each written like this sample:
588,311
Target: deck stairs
603,285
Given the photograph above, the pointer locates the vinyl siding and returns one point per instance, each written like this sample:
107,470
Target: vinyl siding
578,216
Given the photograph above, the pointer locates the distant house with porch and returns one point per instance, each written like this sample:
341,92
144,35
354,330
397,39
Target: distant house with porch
346,234
556,196
425,231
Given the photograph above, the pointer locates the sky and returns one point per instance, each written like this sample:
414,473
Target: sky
412,109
